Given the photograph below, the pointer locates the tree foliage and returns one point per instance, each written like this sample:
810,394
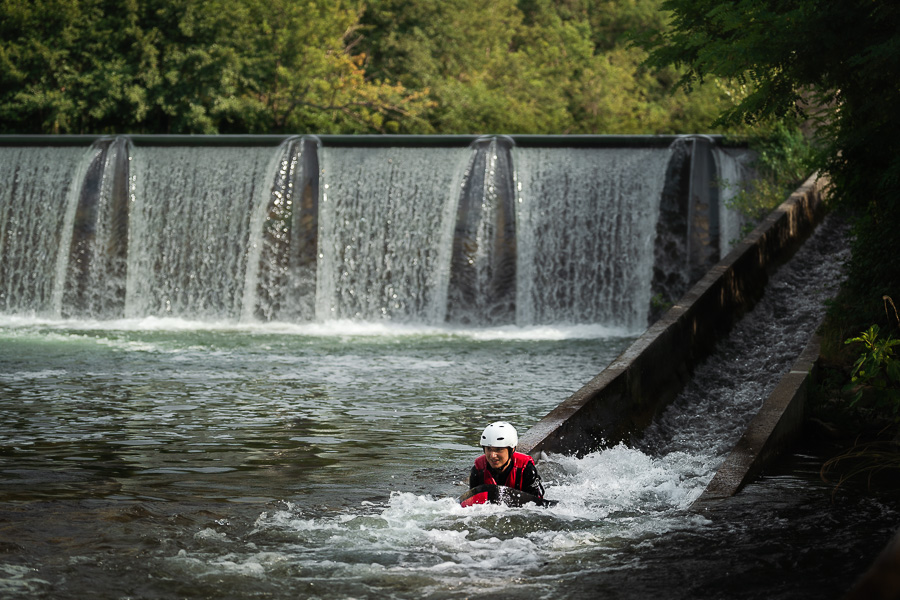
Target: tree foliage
179,66
339,66
533,66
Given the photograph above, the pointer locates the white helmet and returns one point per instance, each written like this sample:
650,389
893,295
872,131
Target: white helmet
500,435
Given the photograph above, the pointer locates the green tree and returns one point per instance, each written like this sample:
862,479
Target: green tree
297,72
248,66
180,66
464,52
533,66
68,66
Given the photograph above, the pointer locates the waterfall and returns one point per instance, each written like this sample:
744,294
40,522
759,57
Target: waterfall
703,210
696,226
490,234
189,230
280,282
36,185
734,166
482,288
671,265
587,222
383,217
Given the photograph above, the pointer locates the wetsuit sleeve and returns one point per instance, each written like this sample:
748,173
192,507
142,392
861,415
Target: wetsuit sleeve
531,481
476,478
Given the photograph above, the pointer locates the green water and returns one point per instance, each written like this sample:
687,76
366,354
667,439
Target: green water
179,412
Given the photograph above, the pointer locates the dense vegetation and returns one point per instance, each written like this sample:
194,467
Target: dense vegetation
332,66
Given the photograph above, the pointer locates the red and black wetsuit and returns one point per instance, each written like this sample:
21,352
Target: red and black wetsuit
519,473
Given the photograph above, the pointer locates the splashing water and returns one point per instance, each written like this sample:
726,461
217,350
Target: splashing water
423,546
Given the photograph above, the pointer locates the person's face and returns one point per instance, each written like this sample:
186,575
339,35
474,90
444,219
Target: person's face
496,457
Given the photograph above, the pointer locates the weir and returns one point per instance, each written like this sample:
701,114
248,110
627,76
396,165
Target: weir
462,230
94,275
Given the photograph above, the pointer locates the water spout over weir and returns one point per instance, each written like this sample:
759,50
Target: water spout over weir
281,267
95,272
471,231
483,263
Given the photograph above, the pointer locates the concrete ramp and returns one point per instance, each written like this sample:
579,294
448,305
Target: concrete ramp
769,433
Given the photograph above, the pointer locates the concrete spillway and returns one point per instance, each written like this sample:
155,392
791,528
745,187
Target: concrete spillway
521,230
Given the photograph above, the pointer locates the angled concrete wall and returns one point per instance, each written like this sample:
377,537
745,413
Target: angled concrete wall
778,422
623,399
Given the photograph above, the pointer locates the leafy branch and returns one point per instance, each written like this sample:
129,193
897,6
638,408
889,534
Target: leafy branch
876,369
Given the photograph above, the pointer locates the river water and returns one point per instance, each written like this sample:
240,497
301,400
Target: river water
164,458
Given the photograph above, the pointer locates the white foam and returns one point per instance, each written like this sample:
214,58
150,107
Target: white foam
336,328
625,479
608,500
211,534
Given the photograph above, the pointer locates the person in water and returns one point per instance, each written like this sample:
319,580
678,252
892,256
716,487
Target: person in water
502,465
